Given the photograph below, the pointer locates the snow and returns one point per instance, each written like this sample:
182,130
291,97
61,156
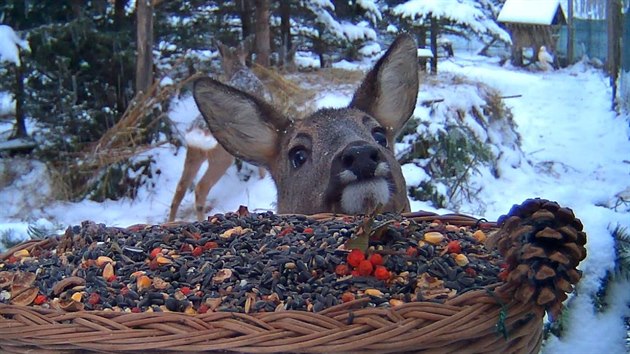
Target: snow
425,53
535,12
462,12
575,151
306,60
342,30
7,104
371,9
10,43
370,49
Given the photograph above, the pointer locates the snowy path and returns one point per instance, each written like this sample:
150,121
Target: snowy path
579,155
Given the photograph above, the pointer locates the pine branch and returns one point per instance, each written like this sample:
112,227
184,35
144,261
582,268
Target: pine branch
621,236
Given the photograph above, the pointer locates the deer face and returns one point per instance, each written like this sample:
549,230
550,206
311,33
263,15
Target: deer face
335,160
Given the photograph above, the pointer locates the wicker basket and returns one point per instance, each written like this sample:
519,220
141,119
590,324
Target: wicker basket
480,321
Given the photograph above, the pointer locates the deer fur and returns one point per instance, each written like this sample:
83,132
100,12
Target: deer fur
201,146
335,160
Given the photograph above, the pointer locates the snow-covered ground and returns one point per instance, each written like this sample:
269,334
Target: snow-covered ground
578,154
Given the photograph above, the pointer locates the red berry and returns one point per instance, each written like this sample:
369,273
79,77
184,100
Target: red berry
197,251
94,299
203,308
355,273
40,299
210,245
365,267
285,232
185,290
471,272
355,257
155,252
381,273
153,265
412,251
308,231
503,275
136,310
376,259
347,297
342,269
454,247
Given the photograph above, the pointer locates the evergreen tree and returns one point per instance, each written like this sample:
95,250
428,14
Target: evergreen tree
316,22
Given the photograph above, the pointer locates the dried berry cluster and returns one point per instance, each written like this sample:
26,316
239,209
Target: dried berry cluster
542,244
362,266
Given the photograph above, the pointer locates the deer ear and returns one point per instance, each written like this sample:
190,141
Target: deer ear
390,90
245,126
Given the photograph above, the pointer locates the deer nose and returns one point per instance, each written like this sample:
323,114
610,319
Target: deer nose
362,160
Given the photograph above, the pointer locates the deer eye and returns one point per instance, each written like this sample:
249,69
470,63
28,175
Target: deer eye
379,136
298,156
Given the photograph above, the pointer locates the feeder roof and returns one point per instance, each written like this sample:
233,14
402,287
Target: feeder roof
532,12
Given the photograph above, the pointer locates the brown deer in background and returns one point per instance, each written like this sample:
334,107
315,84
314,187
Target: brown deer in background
335,160
201,146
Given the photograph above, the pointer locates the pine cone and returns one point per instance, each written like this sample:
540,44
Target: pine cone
542,244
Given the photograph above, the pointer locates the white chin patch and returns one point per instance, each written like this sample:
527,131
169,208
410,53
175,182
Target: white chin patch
363,197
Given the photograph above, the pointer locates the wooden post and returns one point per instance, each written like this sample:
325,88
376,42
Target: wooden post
422,43
434,34
144,45
614,20
20,125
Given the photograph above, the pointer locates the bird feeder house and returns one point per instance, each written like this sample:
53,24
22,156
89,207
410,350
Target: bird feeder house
532,24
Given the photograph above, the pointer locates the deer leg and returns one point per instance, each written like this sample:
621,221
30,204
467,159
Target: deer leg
194,158
219,161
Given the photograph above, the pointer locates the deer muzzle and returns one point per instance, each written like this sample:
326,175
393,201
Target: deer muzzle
360,181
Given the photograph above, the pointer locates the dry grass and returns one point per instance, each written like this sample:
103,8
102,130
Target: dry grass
294,94
288,97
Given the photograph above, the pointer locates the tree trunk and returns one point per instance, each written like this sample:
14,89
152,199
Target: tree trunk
119,13
263,32
285,31
435,28
570,34
245,13
144,43
20,125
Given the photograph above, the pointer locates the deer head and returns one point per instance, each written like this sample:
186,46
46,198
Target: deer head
335,160
234,59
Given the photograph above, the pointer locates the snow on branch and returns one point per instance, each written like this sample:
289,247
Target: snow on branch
341,30
465,13
371,9
9,43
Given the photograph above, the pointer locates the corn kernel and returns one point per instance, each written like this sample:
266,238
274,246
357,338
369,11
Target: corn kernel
480,236
461,260
433,237
108,271
77,296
